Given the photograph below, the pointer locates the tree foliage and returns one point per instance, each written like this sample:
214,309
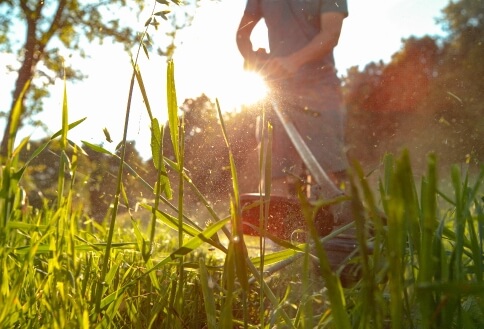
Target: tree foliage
428,97
457,92
53,30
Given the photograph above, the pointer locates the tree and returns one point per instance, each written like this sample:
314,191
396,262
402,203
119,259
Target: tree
383,97
428,97
398,86
61,26
457,92
463,16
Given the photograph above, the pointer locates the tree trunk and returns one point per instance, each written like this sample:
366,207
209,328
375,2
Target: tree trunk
25,74
33,51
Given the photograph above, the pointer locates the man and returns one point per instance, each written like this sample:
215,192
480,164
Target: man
301,72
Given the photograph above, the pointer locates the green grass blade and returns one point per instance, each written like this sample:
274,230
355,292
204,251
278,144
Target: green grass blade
15,119
65,118
69,127
156,142
187,248
241,255
114,212
173,119
97,148
172,221
199,239
333,284
457,289
208,295
266,234
277,256
142,88
229,278
64,159
369,302
459,224
177,304
162,181
403,216
19,173
265,170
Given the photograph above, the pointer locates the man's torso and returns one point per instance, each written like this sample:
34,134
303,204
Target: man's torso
291,25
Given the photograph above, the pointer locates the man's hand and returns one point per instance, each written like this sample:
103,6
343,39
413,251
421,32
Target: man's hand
280,67
275,68
256,60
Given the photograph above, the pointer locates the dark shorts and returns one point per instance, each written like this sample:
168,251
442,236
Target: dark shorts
318,114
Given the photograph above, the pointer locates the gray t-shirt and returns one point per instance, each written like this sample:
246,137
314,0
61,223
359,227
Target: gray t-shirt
292,24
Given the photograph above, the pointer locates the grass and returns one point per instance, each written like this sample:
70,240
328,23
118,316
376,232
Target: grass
420,252
420,255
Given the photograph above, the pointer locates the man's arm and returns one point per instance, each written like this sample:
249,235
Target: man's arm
246,26
254,60
318,47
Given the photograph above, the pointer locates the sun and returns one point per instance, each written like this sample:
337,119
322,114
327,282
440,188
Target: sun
252,88
243,88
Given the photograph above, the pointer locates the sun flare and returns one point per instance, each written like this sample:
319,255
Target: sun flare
254,88
244,88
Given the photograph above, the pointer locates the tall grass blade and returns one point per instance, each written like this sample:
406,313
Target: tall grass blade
332,281
187,248
69,127
241,255
178,306
173,119
64,162
65,118
97,148
370,302
162,181
157,132
8,182
114,212
146,255
402,220
265,170
142,88
208,295
189,229
16,116
11,176
229,278
237,242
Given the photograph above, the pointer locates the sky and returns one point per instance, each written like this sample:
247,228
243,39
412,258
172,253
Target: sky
207,61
